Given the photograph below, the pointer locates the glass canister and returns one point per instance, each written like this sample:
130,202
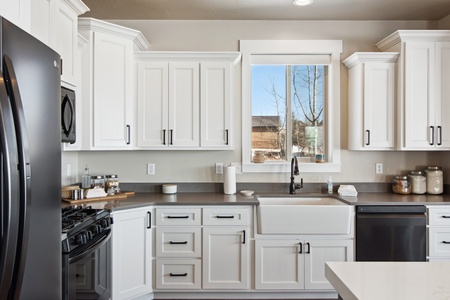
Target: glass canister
112,184
401,185
435,180
418,182
98,181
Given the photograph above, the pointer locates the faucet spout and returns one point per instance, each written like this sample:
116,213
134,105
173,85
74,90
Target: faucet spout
294,171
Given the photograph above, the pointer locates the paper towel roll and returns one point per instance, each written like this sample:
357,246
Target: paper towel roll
229,180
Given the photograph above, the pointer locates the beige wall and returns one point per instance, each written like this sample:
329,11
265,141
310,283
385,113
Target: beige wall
198,166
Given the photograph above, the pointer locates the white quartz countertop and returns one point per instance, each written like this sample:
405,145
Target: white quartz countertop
390,280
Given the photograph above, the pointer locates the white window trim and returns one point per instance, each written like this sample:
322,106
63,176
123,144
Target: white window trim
333,112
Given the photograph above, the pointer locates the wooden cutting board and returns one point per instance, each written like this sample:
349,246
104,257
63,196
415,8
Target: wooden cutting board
120,196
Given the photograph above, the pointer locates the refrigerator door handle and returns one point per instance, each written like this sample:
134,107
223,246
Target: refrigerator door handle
10,193
24,167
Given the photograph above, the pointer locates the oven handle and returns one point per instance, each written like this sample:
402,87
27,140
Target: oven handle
92,249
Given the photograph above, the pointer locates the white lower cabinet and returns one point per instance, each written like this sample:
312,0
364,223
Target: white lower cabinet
438,233
297,264
202,248
131,253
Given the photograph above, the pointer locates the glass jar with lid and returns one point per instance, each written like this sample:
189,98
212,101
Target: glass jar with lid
401,185
435,180
112,184
98,181
418,182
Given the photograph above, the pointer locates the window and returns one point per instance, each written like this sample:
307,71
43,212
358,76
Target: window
290,105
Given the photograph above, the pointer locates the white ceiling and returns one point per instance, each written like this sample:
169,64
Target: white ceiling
432,10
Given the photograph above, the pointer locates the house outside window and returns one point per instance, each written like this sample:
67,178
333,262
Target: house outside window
290,104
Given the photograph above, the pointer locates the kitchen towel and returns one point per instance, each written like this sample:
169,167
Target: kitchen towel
229,180
347,190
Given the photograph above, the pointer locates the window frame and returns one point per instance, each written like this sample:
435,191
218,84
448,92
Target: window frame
332,111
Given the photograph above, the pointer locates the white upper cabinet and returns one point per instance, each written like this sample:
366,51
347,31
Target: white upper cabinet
371,96
108,105
17,12
185,100
422,88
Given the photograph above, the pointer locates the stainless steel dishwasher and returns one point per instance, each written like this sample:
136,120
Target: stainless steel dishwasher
391,233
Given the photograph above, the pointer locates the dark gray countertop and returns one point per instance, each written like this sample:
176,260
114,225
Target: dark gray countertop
148,199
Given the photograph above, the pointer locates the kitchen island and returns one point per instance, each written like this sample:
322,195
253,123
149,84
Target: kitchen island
390,280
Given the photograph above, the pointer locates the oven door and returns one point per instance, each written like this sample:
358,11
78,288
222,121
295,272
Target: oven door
87,270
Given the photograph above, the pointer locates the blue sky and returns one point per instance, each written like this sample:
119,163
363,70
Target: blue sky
262,102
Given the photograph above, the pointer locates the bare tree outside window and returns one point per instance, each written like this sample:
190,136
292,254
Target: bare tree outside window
304,86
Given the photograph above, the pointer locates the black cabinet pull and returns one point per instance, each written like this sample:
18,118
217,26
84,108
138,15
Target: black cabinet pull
164,136
226,136
243,231
432,135
225,217
128,134
308,251
178,243
149,220
446,242
177,217
171,137
178,274
439,128
301,248
368,137
446,217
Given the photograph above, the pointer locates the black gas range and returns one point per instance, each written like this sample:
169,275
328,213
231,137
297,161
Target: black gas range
86,234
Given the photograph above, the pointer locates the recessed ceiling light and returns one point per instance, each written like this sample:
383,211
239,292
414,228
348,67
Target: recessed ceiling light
302,2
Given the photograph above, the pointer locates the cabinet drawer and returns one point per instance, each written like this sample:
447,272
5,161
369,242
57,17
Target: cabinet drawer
178,216
226,216
178,274
438,216
178,242
439,242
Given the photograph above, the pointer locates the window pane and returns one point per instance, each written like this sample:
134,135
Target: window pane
269,111
307,104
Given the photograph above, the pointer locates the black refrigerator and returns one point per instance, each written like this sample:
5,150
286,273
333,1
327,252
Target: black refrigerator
30,162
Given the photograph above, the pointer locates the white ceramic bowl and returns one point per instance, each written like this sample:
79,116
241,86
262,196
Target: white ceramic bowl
169,188
247,193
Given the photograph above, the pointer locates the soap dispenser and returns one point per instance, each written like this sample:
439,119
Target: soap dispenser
329,185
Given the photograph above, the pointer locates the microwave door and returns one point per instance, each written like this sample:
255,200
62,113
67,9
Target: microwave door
67,118
9,196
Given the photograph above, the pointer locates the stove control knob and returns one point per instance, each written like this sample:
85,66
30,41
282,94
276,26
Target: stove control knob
81,238
96,228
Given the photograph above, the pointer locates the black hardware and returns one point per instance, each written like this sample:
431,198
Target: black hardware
171,137
178,243
225,217
178,274
243,242
440,135
149,224
432,135
226,136
446,217
368,137
309,248
164,136
177,217
301,248
445,242
128,134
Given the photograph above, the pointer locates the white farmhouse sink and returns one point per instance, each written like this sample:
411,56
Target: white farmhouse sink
304,215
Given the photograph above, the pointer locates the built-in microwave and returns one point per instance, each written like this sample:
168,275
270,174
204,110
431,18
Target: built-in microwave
68,128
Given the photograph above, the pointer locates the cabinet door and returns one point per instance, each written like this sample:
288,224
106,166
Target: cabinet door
153,104
442,95
184,105
131,254
279,264
17,12
216,106
379,105
317,252
43,19
419,102
112,95
225,258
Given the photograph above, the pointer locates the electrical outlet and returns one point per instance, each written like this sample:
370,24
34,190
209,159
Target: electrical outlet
150,169
378,168
219,168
